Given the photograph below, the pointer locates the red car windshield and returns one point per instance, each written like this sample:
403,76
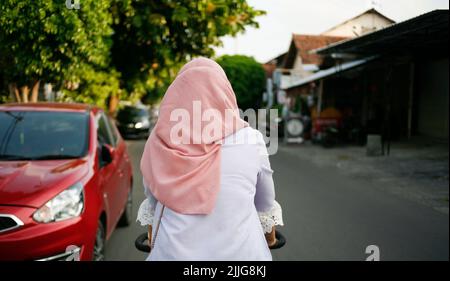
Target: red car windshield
43,135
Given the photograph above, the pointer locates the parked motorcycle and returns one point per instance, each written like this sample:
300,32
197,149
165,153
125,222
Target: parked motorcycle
347,131
330,136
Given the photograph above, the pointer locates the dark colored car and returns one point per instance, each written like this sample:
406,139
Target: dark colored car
133,122
65,181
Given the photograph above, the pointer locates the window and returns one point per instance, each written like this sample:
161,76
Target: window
43,135
104,135
114,134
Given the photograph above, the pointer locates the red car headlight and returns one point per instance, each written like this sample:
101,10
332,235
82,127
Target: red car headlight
67,204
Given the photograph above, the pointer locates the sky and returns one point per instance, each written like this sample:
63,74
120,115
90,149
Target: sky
285,17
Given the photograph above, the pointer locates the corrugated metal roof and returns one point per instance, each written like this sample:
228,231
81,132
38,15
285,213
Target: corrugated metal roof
429,30
328,72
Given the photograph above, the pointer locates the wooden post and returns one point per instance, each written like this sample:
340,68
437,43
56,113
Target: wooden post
386,127
320,97
410,98
389,109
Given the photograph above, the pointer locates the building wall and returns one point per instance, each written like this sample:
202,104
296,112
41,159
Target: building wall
432,87
298,63
365,23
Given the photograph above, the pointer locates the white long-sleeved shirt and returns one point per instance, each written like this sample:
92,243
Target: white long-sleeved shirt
244,210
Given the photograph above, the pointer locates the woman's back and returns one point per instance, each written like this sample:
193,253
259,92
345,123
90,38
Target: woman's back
233,230
211,172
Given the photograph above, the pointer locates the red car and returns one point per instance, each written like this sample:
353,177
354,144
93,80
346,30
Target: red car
65,181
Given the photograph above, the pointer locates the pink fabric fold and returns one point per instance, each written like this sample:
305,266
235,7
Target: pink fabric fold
185,175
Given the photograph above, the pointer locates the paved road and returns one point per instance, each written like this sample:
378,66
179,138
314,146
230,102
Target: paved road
328,216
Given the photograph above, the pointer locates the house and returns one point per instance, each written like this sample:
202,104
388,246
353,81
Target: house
300,62
394,81
299,58
369,21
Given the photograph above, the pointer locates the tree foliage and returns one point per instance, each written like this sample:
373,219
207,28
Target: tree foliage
153,38
128,48
46,41
92,86
247,77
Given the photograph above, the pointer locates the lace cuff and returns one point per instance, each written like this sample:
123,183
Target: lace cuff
146,213
271,218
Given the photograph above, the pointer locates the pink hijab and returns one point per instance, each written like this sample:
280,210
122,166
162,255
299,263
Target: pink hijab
185,175
201,61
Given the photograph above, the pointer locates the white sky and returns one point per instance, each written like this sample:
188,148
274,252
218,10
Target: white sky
285,17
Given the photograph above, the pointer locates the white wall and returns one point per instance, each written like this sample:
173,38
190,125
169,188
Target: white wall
360,25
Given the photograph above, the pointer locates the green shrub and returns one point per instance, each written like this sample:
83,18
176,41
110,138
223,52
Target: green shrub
247,77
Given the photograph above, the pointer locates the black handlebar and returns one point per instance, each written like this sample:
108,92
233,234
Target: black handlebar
141,242
280,241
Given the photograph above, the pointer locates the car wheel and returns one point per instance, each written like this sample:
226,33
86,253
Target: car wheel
99,245
125,219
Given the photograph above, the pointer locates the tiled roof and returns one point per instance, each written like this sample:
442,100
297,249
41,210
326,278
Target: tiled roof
305,43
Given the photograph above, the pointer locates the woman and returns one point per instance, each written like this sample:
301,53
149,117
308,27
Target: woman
206,180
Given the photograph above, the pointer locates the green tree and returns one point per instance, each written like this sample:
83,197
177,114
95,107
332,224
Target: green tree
247,77
92,86
46,41
110,48
152,39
